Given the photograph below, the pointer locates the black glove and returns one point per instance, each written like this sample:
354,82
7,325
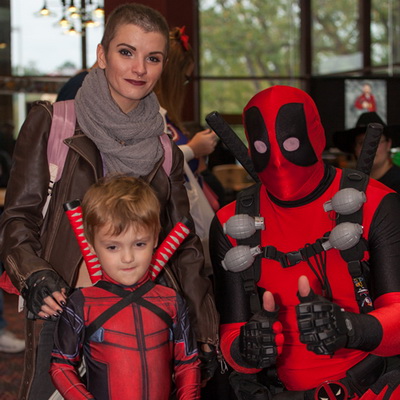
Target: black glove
324,326
209,363
260,339
39,285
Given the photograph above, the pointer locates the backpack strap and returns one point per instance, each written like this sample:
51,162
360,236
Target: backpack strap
248,202
166,142
62,126
127,298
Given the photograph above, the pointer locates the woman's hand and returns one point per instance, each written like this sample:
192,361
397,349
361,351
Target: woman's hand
203,143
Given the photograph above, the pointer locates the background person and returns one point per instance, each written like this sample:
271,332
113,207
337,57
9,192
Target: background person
135,353
350,141
118,131
171,93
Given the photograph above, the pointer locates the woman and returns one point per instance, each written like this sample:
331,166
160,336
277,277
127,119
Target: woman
170,90
118,130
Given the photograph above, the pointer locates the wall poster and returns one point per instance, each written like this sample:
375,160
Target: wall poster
363,96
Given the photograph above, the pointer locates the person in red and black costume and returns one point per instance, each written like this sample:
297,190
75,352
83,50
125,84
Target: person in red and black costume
310,327
136,351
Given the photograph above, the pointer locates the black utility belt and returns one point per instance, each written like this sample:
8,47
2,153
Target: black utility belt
358,380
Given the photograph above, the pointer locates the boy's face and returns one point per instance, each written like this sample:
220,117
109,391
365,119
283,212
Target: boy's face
124,258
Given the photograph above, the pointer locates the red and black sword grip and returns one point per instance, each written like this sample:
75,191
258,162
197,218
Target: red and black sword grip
168,247
160,257
73,211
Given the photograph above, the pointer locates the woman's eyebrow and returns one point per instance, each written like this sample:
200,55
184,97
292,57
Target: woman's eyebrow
134,48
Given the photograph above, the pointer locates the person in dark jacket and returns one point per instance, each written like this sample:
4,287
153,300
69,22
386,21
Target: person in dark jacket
351,141
118,130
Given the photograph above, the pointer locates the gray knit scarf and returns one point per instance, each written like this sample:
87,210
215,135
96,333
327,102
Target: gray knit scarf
129,143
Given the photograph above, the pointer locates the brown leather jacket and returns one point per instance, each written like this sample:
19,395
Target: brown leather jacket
28,243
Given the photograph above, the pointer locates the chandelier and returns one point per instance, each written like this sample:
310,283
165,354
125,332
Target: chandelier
75,18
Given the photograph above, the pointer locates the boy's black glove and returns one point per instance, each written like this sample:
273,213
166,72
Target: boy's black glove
261,339
209,363
324,326
40,285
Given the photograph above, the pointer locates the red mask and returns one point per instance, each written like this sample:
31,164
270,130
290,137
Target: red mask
286,141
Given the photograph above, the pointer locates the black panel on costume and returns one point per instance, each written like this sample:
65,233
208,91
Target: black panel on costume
291,122
385,247
228,285
257,131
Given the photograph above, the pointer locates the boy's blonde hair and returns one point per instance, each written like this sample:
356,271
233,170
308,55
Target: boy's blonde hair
121,202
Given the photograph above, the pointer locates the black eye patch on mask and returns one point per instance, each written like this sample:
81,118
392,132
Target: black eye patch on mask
257,132
291,123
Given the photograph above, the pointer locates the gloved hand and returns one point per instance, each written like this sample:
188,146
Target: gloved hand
324,326
261,339
209,362
41,285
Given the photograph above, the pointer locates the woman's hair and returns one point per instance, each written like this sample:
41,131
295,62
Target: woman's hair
147,18
121,202
170,87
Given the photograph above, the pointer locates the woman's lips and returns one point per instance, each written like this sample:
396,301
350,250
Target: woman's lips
135,83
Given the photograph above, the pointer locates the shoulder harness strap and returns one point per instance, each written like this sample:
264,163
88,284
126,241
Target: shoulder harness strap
127,298
248,202
358,180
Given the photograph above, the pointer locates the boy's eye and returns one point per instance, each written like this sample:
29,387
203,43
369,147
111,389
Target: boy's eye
111,247
141,244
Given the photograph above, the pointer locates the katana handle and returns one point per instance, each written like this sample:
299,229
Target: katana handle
168,247
160,257
232,142
73,211
369,148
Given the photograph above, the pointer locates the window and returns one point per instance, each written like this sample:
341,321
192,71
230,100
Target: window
335,37
385,36
41,46
246,46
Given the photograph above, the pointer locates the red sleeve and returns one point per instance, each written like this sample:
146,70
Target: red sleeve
387,312
186,362
228,335
66,354
68,383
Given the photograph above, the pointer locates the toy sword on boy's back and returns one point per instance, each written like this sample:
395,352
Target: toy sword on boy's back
160,257
239,150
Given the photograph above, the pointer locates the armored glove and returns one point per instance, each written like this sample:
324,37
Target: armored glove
261,339
40,285
324,326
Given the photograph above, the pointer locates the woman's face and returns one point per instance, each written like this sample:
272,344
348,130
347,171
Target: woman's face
132,64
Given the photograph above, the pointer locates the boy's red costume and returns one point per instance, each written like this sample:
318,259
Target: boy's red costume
125,347
286,141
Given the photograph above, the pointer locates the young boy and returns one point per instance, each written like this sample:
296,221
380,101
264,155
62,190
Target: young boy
134,353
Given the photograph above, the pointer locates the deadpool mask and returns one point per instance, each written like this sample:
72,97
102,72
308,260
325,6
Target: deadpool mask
286,141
